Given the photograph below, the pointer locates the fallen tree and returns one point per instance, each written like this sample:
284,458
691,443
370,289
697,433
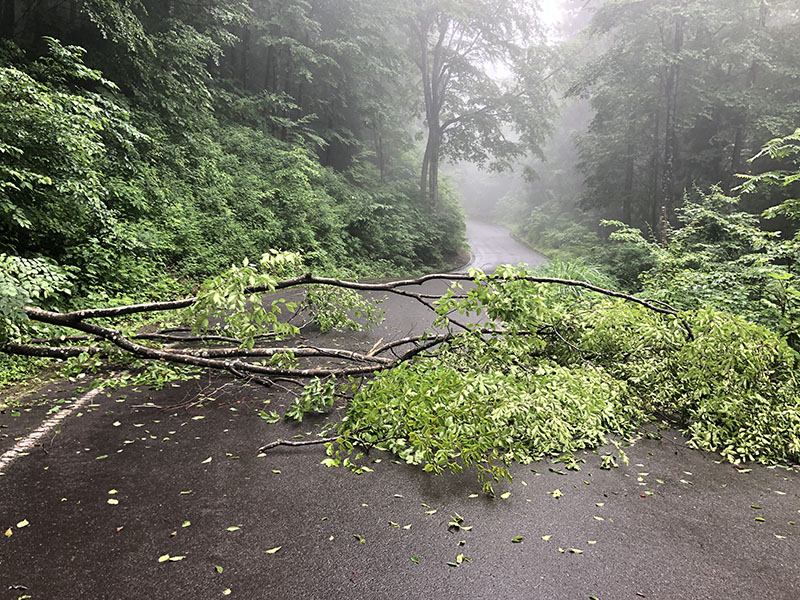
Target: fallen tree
236,300
514,366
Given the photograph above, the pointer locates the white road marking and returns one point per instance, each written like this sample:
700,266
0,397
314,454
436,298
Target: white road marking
25,444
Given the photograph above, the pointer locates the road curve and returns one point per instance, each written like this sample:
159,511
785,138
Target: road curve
492,245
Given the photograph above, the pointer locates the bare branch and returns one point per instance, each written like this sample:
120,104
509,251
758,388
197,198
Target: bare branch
277,443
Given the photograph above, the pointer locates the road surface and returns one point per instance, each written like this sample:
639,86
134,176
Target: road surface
492,245
118,485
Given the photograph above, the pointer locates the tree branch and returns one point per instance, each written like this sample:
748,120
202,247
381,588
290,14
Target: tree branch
277,443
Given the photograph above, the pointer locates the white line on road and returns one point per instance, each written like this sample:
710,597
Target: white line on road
34,436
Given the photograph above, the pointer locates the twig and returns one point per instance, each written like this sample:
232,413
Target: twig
277,443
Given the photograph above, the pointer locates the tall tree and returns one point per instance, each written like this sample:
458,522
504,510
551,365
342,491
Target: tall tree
465,51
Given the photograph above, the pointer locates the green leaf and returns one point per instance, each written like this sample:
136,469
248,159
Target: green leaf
271,417
218,569
23,523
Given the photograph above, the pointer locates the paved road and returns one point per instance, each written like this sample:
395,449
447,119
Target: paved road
674,524
493,245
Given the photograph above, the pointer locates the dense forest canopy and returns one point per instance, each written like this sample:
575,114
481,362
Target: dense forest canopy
143,140
677,95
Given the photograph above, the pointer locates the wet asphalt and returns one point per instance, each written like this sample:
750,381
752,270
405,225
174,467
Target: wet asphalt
138,474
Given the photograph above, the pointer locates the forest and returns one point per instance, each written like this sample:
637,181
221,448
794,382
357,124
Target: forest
216,150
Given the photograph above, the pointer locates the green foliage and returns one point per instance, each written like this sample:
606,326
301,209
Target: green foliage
559,235
779,149
234,300
576,269
738,386
443,417
567,237
148,212
317,398
20,369
52,139
23,282
230,299
721,258
336,308
567,372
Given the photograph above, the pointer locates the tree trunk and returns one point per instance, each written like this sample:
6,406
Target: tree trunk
739,138
627,196
434,174
41,16
431,64
654,195
268,70
379,155
670,131
736,156
426,163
